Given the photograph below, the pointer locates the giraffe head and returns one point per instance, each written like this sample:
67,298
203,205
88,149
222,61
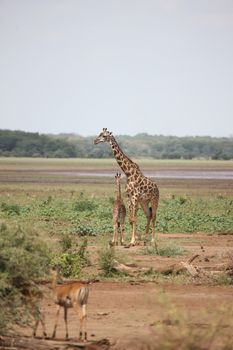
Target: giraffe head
118,177
104,136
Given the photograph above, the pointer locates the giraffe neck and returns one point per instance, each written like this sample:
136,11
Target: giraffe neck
119,190
124,162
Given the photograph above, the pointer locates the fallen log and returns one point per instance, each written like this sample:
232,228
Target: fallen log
29,343
128,268
176,268
192,258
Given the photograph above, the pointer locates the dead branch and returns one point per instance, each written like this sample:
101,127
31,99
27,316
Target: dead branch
128,268
167,270
29,343
192,258
192,270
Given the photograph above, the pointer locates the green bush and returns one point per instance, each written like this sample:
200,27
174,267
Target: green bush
84,205
169,251
84,230
72,261
70,264
66,242
106,261
23,259
10,209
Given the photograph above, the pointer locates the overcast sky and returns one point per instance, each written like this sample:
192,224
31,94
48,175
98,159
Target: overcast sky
133,66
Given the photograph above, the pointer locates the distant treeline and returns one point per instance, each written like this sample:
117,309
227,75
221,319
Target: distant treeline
25,144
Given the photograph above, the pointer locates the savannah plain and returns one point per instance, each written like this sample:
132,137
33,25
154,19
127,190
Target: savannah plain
134,302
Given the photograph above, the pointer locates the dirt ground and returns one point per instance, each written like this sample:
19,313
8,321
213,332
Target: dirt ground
129,313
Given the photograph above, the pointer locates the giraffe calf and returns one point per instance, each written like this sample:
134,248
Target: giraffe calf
118,213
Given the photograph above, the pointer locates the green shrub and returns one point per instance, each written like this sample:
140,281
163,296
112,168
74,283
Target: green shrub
70,264
223,279
72,261
23,259
84,230
106,261
84,205
82,252
66,242
10,209
169,251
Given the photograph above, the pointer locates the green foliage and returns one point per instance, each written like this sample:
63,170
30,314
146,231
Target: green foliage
70,264
51,208
24,144
13,209
82,252
66,242
195,215
84,230
111,200
106,261
23,259
84,205
224,279
168,250
176,214
72,260
10,209
93,217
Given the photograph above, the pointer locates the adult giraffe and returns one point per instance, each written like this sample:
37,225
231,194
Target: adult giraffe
139,189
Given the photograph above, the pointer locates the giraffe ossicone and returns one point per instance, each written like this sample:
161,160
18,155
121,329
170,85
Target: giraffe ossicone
139,189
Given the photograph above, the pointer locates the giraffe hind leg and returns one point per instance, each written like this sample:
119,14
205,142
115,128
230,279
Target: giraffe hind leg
148,212
154,205
115,234
122,233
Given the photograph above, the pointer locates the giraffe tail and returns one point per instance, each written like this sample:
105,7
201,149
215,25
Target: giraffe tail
150,211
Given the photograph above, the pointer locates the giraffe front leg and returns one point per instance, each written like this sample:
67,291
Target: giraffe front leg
132,220
115,234
154,205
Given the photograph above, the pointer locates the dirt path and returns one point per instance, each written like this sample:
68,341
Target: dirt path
125,311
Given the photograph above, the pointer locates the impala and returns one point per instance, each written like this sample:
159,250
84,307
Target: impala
70,295
33,297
